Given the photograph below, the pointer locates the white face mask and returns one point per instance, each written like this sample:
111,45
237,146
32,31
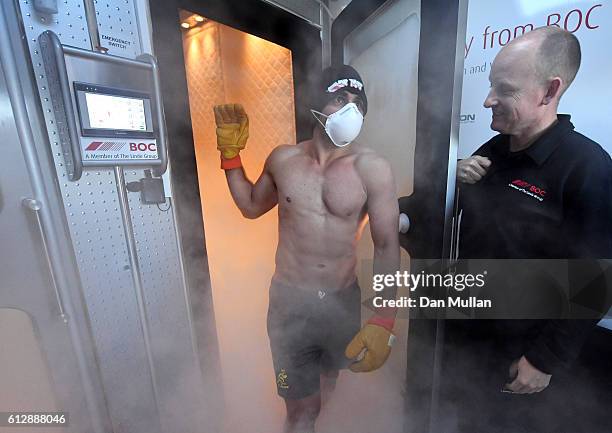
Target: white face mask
344,125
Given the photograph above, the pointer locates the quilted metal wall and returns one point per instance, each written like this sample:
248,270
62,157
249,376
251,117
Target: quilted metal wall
139,400
228,66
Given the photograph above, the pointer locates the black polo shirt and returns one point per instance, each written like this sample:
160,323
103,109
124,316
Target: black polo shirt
551,200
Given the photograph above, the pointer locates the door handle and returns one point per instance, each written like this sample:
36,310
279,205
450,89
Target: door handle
34,206
404,223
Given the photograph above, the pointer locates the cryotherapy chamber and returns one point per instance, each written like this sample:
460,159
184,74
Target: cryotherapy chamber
231,56
134,319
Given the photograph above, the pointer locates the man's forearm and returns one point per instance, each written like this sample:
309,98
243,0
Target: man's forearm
387,261
241,189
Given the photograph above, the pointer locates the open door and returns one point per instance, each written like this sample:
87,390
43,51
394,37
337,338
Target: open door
410,54
211,53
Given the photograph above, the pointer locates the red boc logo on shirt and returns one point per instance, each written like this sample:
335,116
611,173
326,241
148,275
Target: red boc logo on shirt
529,187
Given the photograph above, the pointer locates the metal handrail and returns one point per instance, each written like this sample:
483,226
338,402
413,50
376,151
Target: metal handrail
35,206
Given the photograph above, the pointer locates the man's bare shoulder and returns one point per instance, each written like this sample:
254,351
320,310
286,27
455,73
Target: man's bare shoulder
280,154
284,151
377,177
372,166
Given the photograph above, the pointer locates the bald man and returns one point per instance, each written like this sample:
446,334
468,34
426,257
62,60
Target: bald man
538,190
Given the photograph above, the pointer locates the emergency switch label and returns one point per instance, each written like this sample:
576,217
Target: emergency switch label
100,149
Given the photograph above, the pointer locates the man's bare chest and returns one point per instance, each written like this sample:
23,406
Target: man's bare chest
306,187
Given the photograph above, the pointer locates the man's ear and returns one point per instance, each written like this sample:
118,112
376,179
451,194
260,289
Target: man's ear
553,91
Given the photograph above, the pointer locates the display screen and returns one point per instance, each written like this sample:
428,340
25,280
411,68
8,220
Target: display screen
115,112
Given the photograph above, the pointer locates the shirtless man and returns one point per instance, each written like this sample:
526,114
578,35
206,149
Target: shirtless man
325,190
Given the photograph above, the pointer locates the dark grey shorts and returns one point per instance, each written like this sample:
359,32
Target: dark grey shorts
309,331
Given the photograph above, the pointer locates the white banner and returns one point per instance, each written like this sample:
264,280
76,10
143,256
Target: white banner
492,24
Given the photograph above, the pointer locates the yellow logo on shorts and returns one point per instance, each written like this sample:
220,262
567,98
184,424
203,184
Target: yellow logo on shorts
281,379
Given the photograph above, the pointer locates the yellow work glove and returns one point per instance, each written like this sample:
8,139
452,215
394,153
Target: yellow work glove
232,129
376,340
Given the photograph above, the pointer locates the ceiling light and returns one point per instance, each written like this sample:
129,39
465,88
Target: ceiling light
199,19
185,25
